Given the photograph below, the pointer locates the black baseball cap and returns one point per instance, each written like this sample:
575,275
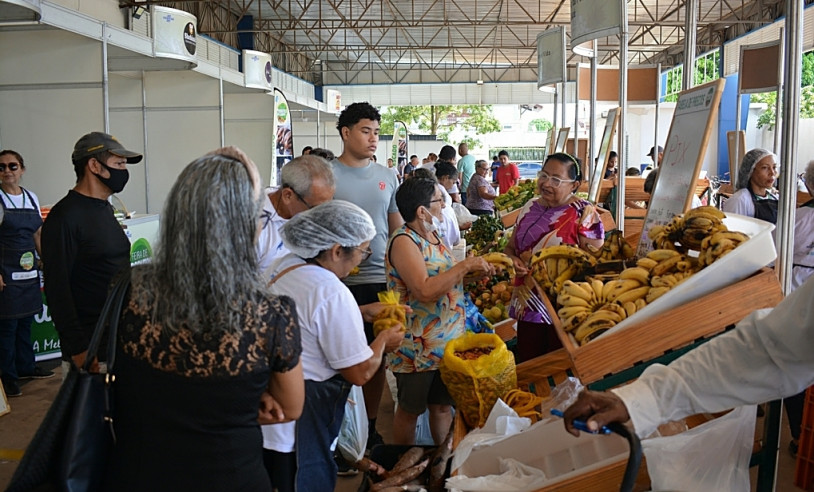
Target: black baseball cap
650,154
95,142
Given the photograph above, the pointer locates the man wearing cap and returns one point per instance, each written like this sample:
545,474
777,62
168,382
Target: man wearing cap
83,245
652,154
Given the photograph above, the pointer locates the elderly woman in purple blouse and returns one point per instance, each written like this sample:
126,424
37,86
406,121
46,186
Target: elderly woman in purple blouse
557,217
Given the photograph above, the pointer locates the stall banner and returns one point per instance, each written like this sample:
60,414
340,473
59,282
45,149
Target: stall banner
592,19
283,135
142,234
257,70
551,57
399,148
333,101
175,34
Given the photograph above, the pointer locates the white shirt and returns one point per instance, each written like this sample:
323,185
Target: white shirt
20,201
270,242
767,356
450,231
741,202
331,330
803,246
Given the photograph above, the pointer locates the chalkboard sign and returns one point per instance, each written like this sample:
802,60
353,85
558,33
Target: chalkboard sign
683,155
604,150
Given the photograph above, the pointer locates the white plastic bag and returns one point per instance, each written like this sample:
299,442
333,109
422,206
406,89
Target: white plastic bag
713,456
352,438
463,215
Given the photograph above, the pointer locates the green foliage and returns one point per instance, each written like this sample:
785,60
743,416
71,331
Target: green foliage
768,118
540,125
442,120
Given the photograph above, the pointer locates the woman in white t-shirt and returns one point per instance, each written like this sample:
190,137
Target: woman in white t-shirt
326,243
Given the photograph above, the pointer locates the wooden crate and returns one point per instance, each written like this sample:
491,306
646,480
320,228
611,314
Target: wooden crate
540,375
674,329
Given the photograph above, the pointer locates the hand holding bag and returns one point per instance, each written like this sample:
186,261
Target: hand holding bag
72,445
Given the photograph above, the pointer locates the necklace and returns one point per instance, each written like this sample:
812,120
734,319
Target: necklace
10,200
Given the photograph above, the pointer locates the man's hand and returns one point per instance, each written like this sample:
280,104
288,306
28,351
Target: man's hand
596,409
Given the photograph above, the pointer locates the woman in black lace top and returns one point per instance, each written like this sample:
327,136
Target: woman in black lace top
202,343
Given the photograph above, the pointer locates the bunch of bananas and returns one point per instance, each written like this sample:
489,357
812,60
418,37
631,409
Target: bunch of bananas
719,244
487,234
614,248
392,314
501,262
551,267
584,304
516,196
665,268
687,232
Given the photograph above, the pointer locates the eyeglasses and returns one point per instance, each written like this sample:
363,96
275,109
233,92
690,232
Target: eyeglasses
299,197
437,200
11,167
544,177
365,252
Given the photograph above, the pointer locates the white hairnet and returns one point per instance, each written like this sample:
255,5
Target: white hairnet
334,222
748,164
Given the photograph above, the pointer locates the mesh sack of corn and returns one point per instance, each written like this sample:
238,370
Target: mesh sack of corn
477,369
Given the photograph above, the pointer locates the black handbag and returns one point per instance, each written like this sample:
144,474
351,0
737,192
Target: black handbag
71,448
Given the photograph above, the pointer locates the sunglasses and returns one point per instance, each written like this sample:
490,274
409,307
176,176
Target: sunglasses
11,167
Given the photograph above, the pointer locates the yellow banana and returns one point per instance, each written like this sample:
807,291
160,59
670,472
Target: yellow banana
662,254
564,299
576,290
562,265
598,286
665,266
640,303
572,322
551,267
615,288
568,311
614,308
633,295
655,232
706,210
627,250
664,281
564,250
500,259
630,308
569,272
646,263
656,292
639,274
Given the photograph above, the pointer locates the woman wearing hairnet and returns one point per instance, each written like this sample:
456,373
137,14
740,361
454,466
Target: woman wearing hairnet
325,244
422,270
755,195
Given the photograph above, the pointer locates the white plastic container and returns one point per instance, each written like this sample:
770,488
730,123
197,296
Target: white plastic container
548,447
740,263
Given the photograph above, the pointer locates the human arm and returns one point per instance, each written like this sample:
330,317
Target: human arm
767,356
515,173
283,399
386,341
408,261
486,192
38,241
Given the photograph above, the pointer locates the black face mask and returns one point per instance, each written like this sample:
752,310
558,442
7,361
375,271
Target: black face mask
118,178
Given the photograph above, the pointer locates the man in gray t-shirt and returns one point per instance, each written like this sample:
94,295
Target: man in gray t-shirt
373,188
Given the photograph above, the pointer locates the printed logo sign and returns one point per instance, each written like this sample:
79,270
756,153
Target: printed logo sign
27,260
140,252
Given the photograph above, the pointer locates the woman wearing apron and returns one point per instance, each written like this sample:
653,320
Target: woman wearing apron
20,297
755,195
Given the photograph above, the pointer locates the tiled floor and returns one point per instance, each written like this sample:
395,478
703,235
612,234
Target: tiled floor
17,428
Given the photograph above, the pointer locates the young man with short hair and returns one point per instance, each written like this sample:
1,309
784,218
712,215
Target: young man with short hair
507,175
373,188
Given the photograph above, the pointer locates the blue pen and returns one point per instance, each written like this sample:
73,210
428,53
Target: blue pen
580,425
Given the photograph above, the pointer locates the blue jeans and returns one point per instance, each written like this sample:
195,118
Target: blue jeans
16,349
316,430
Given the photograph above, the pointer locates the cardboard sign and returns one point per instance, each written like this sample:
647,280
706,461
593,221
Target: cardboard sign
604,149
683,155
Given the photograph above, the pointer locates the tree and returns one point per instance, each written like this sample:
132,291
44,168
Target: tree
540,125
806,109
443,119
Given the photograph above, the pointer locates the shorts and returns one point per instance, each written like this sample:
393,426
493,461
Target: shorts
418,389
366,294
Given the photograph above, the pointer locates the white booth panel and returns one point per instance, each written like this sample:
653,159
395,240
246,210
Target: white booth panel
103,10
181,89
174,139
49,57
128,127
256,139
124,90
257,106
43,126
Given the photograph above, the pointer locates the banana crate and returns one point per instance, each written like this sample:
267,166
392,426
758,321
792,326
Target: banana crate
705,304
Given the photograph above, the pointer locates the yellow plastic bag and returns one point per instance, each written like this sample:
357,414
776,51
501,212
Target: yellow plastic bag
476,384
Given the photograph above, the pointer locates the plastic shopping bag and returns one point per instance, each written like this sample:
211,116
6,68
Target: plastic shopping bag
353,433
713,456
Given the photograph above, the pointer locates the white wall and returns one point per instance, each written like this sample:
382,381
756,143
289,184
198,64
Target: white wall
249,124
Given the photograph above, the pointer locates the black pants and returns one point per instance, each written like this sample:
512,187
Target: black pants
794,411
366,294
281,468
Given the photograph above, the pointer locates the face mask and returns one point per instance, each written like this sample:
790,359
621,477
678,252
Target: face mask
118,178
431,226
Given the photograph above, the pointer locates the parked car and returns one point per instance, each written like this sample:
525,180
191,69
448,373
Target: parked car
529,169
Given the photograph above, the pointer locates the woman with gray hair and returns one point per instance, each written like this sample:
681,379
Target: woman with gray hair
325,244
201,341
755,195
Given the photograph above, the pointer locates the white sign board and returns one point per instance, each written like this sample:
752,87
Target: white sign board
257,70
695,111
551,57
333,101
604,150
592,19
175,34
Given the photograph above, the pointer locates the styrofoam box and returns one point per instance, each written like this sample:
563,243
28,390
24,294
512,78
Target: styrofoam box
740,263
548,447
